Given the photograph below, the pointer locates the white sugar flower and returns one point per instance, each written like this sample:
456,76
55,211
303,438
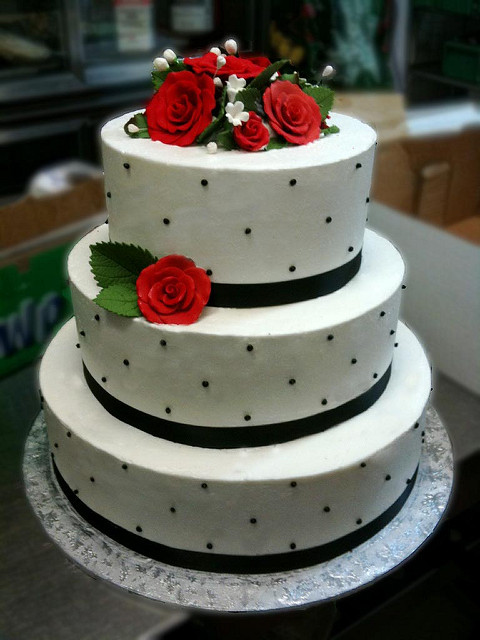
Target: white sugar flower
274,77
221,62
132,128
218,82
216,51
234,85
235,113
160,64
231,46
169,55
328,71
212,147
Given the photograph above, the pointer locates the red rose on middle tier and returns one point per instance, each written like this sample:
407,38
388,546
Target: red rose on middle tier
251,135
242,67
172,291
181,109
291,112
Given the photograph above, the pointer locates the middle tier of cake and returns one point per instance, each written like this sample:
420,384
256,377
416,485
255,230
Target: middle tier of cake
275,372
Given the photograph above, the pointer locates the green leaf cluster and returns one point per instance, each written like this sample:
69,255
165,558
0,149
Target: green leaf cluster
116,267
140,121
208,133
322,95
262,80
332,129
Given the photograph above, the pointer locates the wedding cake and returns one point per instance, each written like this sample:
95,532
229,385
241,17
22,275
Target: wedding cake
235,392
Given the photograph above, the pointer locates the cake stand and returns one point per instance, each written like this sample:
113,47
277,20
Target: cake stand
286,599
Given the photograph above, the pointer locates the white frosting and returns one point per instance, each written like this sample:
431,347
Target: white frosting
290,342
241,483
159,202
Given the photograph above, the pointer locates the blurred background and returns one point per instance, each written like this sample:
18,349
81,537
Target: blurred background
409,68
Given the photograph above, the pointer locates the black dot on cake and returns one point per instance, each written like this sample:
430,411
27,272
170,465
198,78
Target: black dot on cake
69,434
375,375
126,362
326,509
392,332
423,433
382,313
104,379
363,465
293,483
396,344
416,425
293,182
204,485
92,479
358,165
139,529
324,401
404,286
109,194
168,410
367,200
330,336
172,510
97,317
56,445
248,231
78,345
209,545
205,383
388,477
247,417
163,343
209,272
82,333
292,268
292,381
353,361
75,491
359,521
124,466
166,221
204,182
253,521
350,249
328,219
126,165
293,545
249,347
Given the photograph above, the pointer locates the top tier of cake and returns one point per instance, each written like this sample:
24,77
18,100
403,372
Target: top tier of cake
273,216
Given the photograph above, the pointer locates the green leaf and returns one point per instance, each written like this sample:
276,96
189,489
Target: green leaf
332,129
291,77
263,78
118,263
178,65
277,143
249,96
208,132
323,96
225,139
140,121
120,299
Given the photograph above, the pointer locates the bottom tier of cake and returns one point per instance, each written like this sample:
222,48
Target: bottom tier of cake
249,510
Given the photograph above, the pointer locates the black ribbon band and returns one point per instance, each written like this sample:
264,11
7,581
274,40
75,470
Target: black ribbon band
221,563
269,294
234,437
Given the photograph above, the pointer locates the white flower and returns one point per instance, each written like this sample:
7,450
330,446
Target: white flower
212,147
216,51
133,128
160,64
274,77
235,113
169,55
218,82
234,85
328,71
231,46
221,62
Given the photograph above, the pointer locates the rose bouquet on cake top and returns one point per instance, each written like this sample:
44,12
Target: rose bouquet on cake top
235,102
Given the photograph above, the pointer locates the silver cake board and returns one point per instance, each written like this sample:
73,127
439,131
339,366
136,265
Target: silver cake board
202,592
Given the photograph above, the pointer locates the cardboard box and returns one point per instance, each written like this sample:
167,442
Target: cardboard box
35,238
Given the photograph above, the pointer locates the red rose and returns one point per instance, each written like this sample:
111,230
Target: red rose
172,291
291,112
251,135
181,109
241,67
